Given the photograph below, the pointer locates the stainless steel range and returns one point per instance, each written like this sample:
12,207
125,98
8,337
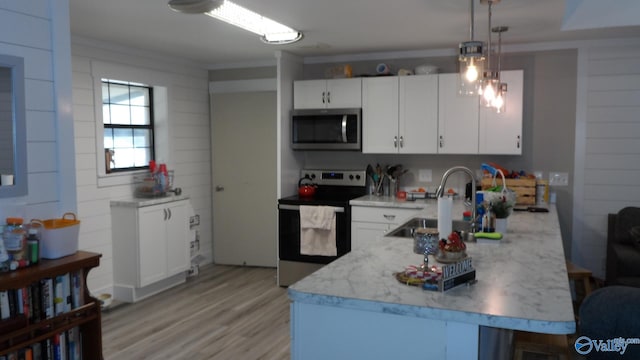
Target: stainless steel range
334,188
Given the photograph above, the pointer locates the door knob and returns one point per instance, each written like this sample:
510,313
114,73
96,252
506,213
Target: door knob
219,188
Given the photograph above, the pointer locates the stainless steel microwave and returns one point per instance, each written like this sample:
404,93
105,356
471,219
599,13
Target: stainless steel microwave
326,129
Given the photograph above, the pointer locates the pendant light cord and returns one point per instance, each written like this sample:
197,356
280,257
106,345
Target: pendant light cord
489,41
472,20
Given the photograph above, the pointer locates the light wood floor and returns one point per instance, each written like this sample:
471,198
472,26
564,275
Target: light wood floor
225,312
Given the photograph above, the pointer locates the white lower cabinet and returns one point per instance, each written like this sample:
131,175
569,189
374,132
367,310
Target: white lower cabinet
150,246
368,222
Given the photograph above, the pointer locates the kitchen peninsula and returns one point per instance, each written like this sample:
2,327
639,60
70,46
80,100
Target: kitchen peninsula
355,308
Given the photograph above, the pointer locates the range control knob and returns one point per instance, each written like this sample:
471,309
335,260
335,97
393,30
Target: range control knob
357,177
351,177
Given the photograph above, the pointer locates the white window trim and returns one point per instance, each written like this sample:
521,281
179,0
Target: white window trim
161,87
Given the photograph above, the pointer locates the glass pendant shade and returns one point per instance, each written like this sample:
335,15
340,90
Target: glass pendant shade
471,62
499,102
489,91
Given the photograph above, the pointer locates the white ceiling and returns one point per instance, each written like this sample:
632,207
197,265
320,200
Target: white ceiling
333,27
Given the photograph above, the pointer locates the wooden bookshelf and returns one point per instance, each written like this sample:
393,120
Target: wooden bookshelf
17,332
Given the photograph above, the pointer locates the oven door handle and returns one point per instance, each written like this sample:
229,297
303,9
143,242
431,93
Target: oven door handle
297,208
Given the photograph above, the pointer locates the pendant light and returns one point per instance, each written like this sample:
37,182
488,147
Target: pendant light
500,99
490,82
471,61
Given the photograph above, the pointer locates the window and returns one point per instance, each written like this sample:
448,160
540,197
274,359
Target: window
127,113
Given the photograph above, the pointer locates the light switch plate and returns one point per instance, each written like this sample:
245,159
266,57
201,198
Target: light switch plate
424,175
558,179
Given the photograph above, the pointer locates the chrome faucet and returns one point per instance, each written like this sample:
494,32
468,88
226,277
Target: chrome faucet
440,191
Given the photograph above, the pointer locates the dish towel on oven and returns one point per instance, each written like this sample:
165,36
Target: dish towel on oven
318,230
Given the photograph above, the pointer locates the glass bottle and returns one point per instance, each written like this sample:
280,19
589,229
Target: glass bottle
15,238
33,246
4,255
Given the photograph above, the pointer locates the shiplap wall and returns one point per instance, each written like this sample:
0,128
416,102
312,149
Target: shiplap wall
34,30
608,140
188,109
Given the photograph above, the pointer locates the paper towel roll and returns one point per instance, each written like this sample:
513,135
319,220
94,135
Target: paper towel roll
445,220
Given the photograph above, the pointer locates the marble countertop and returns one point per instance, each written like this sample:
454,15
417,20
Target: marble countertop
521,284
142,202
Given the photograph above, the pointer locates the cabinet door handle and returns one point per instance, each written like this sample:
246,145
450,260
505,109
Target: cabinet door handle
389,217
518,142
165,214
169,211
401,141
441,141
395,141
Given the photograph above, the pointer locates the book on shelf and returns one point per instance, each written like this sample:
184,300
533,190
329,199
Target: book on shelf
60,346
66,289
58,295
47,296
5,311
37,351
13,302
73,343
26,302
47,349
36,304
76,293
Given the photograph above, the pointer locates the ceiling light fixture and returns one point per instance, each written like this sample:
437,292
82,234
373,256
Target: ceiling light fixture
470,58
270,31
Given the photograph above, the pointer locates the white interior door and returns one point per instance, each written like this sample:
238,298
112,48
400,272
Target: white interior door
244,178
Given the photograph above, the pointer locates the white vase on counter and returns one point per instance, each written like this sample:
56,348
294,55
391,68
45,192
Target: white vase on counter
501,225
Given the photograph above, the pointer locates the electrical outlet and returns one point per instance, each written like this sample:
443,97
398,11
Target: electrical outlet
424,175
558,179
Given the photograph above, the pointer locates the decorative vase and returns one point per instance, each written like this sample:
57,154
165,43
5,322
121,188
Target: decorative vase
501,225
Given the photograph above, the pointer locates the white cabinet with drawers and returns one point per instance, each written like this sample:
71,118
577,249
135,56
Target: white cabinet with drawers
369,222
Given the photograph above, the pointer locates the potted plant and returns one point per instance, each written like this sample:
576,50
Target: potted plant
501,205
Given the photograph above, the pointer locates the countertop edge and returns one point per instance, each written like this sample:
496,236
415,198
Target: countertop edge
542,326
142,202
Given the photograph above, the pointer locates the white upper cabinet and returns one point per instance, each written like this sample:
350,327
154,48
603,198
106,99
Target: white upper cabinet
501,133
457,118
400,114
422,114
380,115
418,126
467,127
330,94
